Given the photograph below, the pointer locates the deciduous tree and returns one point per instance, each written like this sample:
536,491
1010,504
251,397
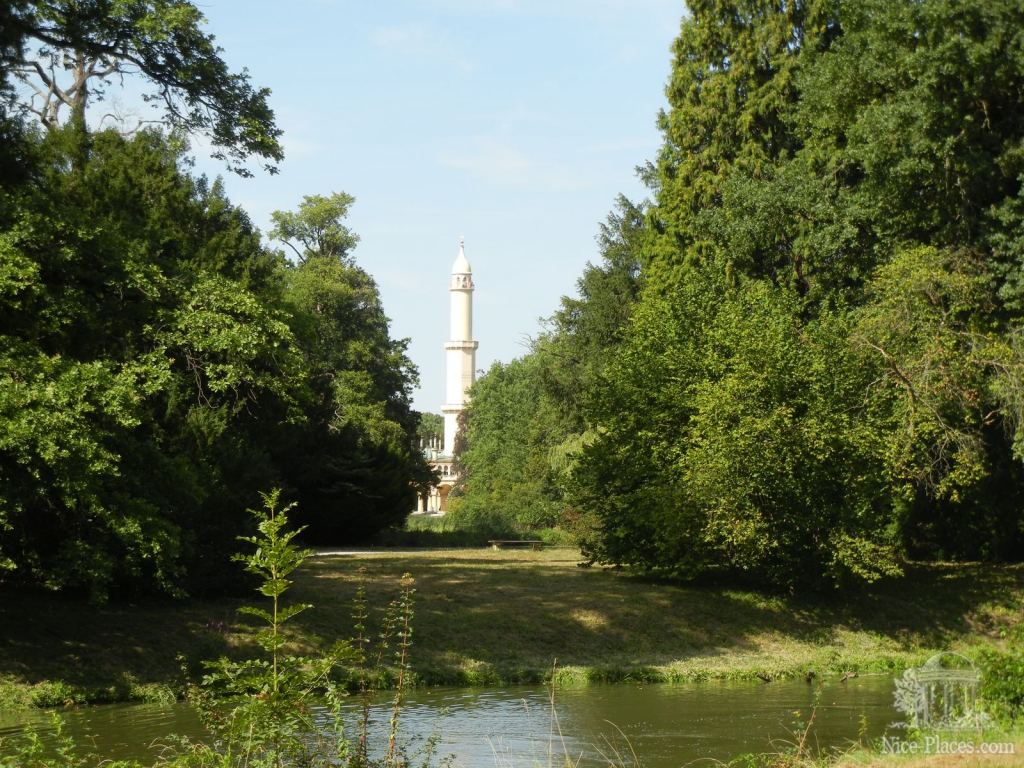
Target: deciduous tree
71,52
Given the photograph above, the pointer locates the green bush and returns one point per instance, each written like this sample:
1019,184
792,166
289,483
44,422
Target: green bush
55,693
1003,681
14,695
554,537
432,532
470,515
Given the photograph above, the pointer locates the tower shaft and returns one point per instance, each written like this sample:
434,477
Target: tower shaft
460,349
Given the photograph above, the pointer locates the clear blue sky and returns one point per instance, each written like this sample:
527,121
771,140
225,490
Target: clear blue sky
512,122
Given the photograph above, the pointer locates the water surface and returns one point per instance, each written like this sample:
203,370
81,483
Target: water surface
665,725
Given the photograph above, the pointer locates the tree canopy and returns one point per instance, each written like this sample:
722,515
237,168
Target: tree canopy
316,227
69,53
160,365
814,372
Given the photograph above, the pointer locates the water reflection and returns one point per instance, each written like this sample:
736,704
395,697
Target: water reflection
667,726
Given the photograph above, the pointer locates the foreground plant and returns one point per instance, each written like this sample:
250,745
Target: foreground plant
285,709
280,710
372,672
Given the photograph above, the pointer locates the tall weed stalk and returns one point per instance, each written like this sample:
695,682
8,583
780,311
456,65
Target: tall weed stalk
394,640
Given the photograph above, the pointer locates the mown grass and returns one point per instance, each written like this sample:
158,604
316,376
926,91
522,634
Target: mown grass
444,532
488,617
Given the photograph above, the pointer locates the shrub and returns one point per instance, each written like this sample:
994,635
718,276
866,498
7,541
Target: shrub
55,693
1003,680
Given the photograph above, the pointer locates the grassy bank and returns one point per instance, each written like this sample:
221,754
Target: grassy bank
873,758
486,618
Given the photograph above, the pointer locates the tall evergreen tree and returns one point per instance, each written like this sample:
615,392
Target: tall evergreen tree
732,82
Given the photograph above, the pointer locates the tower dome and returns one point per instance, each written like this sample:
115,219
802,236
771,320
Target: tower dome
461,264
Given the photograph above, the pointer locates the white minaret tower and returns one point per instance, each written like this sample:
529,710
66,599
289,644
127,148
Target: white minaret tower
460,350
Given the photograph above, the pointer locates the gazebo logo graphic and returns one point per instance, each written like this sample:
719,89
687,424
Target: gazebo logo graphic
941,694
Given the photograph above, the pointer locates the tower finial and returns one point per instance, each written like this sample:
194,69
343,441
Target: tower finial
461,265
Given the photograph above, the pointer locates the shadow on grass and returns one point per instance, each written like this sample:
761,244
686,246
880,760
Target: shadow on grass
487,617
935,603
48,637
513,616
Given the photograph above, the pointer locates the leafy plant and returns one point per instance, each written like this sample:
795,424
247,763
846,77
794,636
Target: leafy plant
30,751
280,710
1003,680
285,709
371,670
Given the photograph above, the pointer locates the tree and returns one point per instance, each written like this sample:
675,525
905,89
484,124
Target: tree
159,365
161,41
356,461
586,329
146,367
511,428
317,227
11,41
527,420
733,442
731,85
939,406
831,274
909,119
431,426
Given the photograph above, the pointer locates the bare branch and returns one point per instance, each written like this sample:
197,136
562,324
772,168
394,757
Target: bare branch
301,258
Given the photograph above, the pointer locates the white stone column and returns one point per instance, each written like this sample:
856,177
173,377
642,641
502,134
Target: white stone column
460,349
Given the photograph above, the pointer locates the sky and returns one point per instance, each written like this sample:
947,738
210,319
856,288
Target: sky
513,123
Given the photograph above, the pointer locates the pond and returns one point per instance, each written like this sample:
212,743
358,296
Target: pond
667,726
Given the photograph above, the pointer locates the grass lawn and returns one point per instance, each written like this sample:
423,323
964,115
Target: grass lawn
487,617
865,758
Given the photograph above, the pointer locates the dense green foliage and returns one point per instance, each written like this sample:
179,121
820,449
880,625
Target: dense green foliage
431,426
355,459
527,418
317,227
69,53
512,478
817,372
158,363
1003,679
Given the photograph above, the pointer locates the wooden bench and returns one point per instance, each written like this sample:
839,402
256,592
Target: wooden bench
534,544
